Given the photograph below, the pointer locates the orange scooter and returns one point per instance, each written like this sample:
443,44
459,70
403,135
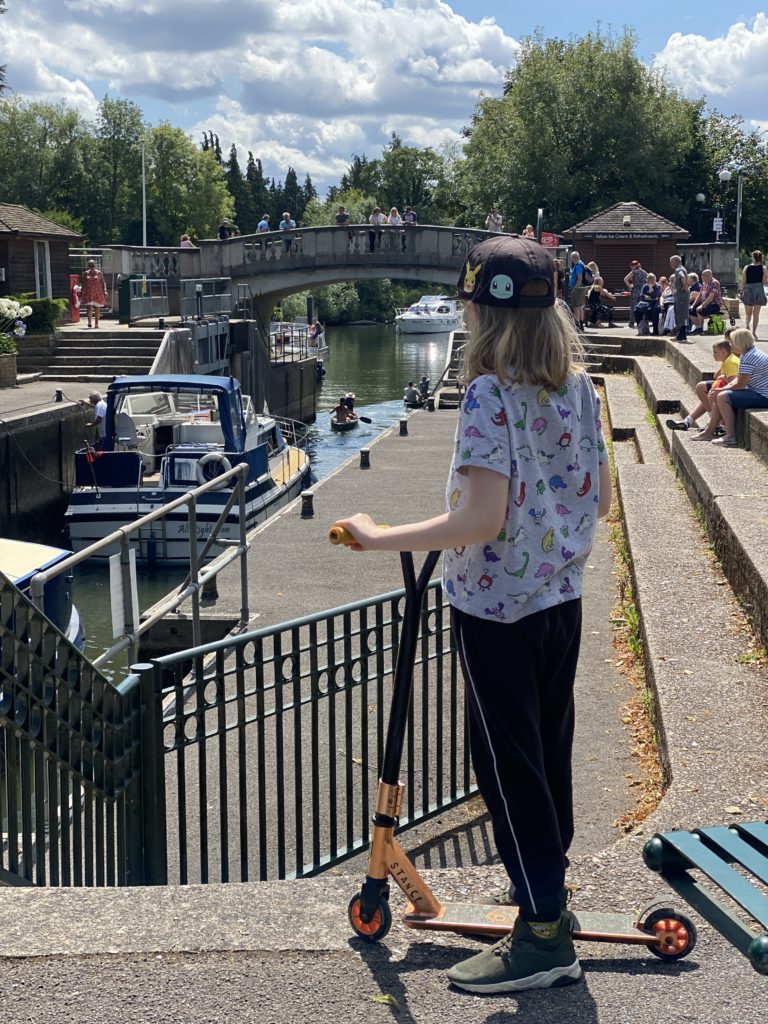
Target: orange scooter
667,933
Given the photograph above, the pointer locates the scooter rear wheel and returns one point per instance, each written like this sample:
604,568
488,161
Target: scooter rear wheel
676,932
377,927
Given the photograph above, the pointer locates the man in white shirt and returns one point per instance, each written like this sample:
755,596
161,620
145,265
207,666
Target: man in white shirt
99,406
494,221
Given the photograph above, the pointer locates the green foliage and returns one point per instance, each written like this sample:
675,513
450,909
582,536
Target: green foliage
582,124
337,303
8,345
46,314
65,219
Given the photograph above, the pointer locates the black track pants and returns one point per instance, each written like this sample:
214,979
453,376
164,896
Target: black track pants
519,682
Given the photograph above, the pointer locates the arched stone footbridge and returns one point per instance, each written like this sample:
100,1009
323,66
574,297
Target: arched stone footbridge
271,266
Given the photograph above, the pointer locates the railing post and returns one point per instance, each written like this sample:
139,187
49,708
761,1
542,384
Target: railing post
244,609
129,626
194,571
153,810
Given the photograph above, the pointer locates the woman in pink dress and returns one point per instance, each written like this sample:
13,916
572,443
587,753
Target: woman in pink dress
94,294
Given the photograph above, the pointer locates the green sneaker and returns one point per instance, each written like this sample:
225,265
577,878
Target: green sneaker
533,955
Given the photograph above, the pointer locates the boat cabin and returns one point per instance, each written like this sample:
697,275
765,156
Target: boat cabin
177,431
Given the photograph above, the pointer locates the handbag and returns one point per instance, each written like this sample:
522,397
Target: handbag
716,324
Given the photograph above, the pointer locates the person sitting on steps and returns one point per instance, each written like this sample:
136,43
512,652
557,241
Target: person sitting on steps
727,370
749,390
600,304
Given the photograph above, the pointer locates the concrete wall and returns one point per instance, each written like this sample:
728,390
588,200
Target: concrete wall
37,470
719,257
289,389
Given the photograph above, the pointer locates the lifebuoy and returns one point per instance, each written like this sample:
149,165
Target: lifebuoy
207,460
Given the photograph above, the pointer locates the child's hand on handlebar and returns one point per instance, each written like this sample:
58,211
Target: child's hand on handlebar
363,529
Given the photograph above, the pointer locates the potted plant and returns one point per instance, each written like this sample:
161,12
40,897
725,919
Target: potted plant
12,317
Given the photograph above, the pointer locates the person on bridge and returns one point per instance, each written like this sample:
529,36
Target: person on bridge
342,221
523,498
263,226
395,220
287,226
376,219
494,221
225,231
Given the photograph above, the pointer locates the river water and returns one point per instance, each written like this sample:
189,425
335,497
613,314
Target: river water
375,363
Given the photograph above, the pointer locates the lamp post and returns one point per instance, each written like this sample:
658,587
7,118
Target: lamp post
143,198
725,176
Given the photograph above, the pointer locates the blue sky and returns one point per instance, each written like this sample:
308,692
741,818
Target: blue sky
309,83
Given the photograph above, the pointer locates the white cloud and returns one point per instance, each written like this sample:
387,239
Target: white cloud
310,82
730,70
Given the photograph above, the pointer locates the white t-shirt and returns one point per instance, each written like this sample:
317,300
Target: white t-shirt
494,221
549,444
100,414
395,218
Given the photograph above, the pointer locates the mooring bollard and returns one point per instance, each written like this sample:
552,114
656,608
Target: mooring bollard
59,397
430,404
210,590
307,507
403,428
365,458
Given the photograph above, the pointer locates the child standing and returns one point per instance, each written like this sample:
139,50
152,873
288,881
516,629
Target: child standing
528,481
727,370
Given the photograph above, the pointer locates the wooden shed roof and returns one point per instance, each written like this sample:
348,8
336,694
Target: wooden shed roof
18,220
610,223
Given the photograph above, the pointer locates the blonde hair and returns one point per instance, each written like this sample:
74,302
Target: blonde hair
523,346
742,339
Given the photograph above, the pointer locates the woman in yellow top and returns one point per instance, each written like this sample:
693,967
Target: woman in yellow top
726,372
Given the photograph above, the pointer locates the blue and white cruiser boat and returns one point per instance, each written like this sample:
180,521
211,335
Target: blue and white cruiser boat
20,560
167,434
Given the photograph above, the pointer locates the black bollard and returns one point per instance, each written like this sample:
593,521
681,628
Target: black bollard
430,404
59,396
365,458
404,428
307,507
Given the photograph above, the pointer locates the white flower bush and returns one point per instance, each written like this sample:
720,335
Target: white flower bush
12,326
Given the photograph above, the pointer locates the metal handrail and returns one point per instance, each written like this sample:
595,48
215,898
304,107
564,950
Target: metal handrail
197,579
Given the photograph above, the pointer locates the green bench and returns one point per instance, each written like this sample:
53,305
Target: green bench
716,853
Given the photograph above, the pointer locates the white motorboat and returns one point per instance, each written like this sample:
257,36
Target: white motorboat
432,314
166,435
21,560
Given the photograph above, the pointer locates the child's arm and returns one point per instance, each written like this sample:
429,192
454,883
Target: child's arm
479,518
604,503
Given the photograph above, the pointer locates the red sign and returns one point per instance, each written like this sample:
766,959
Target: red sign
551,241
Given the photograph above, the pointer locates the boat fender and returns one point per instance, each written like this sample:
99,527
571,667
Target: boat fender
212,457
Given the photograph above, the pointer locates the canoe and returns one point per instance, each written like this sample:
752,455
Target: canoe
349,423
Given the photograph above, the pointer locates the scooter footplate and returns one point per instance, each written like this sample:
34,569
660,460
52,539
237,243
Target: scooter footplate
495,919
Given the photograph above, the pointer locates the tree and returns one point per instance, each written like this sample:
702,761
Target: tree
411,176
309,192
582,124
293,195
241,194
116,176
44,151
186,187
257,185
2,66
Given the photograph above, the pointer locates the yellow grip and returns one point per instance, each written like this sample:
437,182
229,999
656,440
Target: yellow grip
341,535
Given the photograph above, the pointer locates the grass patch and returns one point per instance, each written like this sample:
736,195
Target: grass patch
639,714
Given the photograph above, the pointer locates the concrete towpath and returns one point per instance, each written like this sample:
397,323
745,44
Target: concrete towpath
282,952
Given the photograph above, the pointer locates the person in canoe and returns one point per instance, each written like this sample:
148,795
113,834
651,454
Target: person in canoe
411,395
342,413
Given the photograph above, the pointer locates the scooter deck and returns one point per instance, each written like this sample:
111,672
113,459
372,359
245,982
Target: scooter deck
499,919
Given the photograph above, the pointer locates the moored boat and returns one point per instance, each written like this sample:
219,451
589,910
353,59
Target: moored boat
432,314
21,560
166,435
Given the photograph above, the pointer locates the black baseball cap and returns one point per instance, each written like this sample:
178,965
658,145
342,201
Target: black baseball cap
498,269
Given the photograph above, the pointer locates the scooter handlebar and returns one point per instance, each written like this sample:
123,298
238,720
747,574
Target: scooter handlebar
341,535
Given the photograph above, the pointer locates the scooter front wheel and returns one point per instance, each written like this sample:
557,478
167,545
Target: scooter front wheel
377,927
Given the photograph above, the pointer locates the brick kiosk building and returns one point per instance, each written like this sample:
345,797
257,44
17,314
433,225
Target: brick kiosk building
34,254
622,233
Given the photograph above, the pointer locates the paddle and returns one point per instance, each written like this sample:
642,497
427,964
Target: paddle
363,419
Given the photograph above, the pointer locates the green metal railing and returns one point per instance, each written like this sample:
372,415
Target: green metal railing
272,741
71,800
254,757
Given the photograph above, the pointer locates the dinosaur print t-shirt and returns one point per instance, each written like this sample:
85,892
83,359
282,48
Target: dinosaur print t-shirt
549,444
